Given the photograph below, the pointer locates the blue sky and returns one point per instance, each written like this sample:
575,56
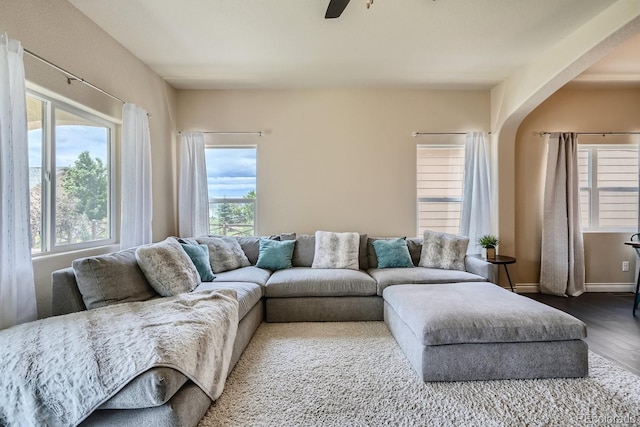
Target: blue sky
231,172
70,142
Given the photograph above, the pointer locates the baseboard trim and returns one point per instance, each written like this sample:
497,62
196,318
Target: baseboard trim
534,288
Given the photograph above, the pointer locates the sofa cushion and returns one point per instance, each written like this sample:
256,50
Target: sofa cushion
275,255
225,253
249,294
167,267
392,253
419,275
337,250
249,274
305,249
478,313
111,279
199,255
443,250
315,282
151,388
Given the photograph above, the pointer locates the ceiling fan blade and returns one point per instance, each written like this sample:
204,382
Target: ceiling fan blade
335,8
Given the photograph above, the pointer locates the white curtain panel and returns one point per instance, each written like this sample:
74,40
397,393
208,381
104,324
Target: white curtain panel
17,287
562,258
475,219
193,198
136,189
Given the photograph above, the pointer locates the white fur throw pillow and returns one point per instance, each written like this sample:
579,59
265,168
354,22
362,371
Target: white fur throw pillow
225,253
443,250
167,267
336,250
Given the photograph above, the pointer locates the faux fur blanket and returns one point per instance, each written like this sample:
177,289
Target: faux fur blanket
58,370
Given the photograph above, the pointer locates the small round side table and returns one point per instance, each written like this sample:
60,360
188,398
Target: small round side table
500,260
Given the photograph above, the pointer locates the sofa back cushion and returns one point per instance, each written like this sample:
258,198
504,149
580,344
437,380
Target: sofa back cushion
111,279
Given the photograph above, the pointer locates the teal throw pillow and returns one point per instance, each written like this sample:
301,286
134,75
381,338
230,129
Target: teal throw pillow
392,253
275,255
199,254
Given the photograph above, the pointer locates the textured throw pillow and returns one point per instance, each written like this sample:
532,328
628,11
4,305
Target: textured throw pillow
337,250
111,279
275,255
199,255
392,253
225,253
442,250
167,267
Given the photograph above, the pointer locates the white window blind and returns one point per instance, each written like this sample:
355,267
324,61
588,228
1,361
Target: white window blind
608,187
440,175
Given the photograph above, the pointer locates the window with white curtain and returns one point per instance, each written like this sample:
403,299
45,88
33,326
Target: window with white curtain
439,180
71,177
608,187
231,181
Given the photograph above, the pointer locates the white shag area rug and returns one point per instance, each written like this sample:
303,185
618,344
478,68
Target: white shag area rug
354,374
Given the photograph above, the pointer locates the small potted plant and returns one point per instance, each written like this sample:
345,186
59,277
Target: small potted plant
489,243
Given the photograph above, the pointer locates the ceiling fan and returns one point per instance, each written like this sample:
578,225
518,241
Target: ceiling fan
336,7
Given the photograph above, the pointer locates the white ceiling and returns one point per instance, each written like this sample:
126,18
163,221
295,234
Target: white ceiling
206,44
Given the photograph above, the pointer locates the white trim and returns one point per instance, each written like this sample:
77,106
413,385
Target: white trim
610,287
527,288
534,288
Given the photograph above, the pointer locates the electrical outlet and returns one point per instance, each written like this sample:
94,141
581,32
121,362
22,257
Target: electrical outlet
625,265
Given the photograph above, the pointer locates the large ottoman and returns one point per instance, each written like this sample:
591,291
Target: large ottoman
479,331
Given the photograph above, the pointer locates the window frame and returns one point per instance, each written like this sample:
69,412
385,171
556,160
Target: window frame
210,146
440,145
593,192
48,180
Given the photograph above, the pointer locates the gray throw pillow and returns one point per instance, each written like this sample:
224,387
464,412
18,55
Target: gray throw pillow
167,267
111,279
443,250
225,253
337,250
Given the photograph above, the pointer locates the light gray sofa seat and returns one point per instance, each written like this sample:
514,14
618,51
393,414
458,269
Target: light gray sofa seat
244,274
250,274
249,294
319,282
419,275
480,331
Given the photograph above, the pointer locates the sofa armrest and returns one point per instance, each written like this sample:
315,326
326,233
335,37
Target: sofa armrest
65,295
482,268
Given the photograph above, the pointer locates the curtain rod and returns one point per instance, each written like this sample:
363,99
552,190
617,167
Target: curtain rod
259,133
543,133
71,76
414,134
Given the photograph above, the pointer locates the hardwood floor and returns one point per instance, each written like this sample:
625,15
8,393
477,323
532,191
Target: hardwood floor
612,331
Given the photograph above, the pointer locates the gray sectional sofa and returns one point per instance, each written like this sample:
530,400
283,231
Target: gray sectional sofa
301,293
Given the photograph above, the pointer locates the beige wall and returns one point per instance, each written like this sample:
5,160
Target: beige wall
57,31
339,160
579,110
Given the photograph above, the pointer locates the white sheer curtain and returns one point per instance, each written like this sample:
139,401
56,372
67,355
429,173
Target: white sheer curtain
562,258
475,219
136,197
193,198
17,286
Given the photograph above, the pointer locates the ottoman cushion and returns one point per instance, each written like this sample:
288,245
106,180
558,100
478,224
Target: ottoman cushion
478,313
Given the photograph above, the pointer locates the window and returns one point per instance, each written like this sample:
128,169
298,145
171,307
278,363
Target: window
608,177
440,175
231,177
70,176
